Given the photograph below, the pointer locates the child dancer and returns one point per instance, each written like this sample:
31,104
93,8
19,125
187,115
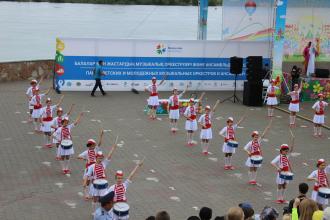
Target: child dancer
57,122
36,101
318,119
173,108
206,131
90,157
294,104
46,119
253,148
120,187
271,98
153,98
29,94
64,133
282,163
97,171
191,123
321,180
228,133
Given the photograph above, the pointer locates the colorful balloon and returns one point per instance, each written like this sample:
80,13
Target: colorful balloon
250,7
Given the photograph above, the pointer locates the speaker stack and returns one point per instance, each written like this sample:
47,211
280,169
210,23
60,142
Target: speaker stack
252,95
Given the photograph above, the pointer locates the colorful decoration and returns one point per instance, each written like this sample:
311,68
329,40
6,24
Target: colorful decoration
163,103
315,86
59,58
250,7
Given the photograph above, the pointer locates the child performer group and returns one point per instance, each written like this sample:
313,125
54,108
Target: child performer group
253,148
57,129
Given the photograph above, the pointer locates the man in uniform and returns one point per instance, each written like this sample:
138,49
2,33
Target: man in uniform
105,211
98,73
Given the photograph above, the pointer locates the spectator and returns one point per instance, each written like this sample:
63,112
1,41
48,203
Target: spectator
162,215
193,218
205,213
235,213
307,207
295,75
326,214
97,74
318,215
248,210
220,218
303,189
151,218
286,217
269,213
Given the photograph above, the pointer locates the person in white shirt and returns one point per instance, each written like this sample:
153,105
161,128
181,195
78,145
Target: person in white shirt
318,119
120,188
36,101
63,135
271,98
46,119
321,180
191,123
294,103
228,133
206,127
282,164
253,148
153,101
173,108
95,172
89,156
30,92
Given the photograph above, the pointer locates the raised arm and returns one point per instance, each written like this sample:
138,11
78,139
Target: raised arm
266,129
215,105
78,119
70,110
131,175
113,148
60,101
101,137
41,79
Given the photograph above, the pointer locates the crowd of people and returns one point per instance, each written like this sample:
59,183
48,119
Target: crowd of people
56,127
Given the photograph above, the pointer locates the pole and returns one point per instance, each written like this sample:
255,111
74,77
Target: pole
202,19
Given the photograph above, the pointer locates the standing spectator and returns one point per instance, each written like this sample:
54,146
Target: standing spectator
98,73
269,213
193,218
235,213
105,211
306,208
151,218
162,215
303,189
205,213
326,214
318,215
295,75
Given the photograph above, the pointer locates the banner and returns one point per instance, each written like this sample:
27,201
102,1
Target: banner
204,65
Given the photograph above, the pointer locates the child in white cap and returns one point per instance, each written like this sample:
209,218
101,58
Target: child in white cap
30,93
36,101
153,101
271,98
294,103
318,119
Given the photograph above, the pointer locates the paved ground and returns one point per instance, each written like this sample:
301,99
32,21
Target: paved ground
174,178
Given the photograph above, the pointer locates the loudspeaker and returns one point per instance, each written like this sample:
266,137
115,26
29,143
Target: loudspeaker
252,94
322,73
236,65
254,68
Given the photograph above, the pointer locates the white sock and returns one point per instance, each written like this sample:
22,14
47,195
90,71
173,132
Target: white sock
188,137
291,120
229,160
315,130
282,194
269,112
294,119
62,164
250,175
175,125
205,147
279,194
272,111
191,137
35,125
58,151
226,161
319,130
67,164
255,175
95,205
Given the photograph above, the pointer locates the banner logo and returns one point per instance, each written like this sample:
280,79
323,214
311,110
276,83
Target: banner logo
160,49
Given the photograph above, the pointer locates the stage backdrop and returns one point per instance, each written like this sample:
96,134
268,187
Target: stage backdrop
204,65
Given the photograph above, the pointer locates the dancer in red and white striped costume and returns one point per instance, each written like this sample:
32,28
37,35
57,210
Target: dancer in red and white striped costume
228,133
36,101
173,108
318,119
253,148
206,130
321,180
96,171
90,157
294,103
153,101
30,93
282,163
271,98
46,119
57,122
63,134
191,123
120,188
